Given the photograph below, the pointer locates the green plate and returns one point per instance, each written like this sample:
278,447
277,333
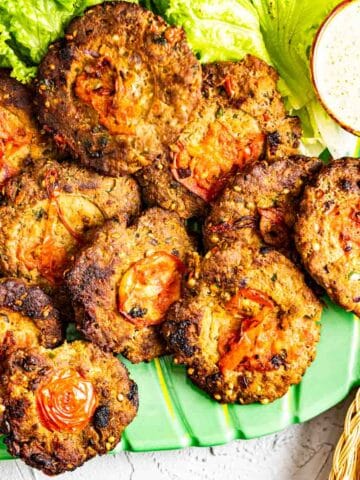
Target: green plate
174,413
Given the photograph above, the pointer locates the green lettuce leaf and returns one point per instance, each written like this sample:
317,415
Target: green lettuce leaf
222,30
27,27
9,59
288,28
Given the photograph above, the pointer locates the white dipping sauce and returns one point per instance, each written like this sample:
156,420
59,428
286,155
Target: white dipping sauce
336,65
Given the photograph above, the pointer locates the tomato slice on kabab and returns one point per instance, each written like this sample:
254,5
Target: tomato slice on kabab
116,98
149,287
229,143
49,253
250,345
67,402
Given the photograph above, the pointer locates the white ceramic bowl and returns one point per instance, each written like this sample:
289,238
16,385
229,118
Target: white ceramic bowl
335,65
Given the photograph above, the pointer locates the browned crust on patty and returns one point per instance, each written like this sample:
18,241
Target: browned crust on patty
27,319
86,198
262,200
158,53
194,324
31,302
254,90
94,279
57,452
159,188
328,231
19,125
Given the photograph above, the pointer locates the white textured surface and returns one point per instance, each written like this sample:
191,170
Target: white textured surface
301,452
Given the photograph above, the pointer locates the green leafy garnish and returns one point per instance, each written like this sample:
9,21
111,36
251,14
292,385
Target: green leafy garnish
223,30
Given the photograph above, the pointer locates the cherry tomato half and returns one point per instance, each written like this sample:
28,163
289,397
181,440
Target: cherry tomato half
67,402
250,346
149,287
204,168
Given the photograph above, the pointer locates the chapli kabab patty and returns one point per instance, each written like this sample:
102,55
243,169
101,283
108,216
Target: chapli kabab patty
251,85
46,215
27,319
328,231
123,283
240,118
20,137
120,86
64,406
261,201
249,327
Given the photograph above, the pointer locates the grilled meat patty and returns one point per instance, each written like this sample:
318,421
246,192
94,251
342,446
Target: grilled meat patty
118,88
328,231
48,212
64,406
247,328
261,201
124,281
251,85
20,136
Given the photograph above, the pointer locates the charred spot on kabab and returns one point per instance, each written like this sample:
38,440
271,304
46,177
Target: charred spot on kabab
133,394
130,93
122,311
101,416
178,340
78,409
